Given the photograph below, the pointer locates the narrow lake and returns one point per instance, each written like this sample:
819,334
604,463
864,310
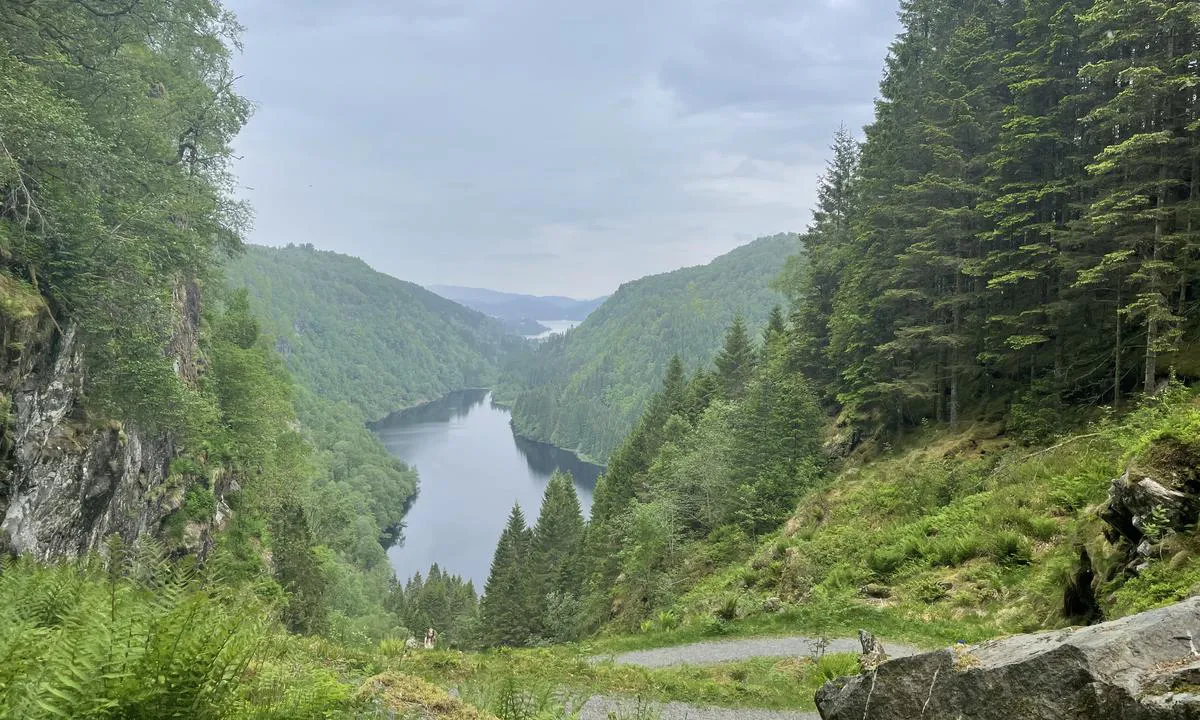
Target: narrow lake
555,327
472,471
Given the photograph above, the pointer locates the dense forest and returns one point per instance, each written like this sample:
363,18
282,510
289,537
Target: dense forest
1021,217
356,335
584,390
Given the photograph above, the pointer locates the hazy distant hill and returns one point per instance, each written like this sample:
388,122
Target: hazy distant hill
351,333
513,308
585,389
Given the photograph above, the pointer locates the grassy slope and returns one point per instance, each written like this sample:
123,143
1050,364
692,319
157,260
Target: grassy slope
590,387
351,333
951,536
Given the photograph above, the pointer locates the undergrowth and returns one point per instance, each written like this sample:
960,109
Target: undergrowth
948,537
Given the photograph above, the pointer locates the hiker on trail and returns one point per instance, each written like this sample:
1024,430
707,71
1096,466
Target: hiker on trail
430,639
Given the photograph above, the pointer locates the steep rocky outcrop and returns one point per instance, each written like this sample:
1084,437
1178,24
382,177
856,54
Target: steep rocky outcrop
68,482
1142,667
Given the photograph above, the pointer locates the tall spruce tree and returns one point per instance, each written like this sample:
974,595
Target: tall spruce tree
735,362
1033,203
555,562
811,278
508,607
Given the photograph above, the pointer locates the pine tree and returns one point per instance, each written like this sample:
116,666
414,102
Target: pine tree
1144,72
507,608
673,397
555,562
735,362
775,328
1034,186
776,435
811,278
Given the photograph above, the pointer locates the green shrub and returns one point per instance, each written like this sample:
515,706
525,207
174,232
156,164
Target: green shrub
1009,548
1162,583
886,560
728,608
199,504
1038,415
929,590
137,636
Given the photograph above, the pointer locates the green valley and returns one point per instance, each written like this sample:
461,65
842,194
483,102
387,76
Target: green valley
955,420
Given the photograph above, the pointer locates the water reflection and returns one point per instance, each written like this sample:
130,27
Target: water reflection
455,405
544,459
472,471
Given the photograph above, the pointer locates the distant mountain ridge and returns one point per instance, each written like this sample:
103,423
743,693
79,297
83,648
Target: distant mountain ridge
351,333
515,307
584,390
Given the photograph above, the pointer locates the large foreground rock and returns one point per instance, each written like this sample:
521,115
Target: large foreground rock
1143,667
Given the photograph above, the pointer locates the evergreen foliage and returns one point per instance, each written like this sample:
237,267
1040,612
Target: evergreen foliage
441,601
586,389
555,564
534,590
507,608
355,335
714,460
735,362
1022,214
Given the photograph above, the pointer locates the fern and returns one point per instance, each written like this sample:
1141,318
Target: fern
136,636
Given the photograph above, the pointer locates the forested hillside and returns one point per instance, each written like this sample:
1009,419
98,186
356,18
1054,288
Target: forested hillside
356,335
1021,221
1008,259
584,390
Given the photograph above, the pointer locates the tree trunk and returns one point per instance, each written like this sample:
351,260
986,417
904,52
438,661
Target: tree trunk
1117,353
953,411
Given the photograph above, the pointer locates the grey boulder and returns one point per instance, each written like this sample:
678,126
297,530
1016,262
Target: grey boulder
1142,667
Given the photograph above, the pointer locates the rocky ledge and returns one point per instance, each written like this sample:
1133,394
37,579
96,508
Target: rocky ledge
1141,667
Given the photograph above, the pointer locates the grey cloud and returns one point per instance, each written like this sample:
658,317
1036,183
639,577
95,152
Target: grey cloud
546,146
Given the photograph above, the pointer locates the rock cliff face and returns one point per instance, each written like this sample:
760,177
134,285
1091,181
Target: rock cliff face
1142,667
65,483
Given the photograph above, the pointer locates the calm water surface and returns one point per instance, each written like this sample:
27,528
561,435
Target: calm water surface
556,327
472,471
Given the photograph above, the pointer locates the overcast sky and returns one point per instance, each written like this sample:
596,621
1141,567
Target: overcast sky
546,146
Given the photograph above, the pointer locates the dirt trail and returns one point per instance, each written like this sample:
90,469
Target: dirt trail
718,651
721,651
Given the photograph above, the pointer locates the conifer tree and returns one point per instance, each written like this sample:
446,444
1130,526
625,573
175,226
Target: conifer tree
1033,203
507,608
811,278
775,328
735,362
555,562
1145,70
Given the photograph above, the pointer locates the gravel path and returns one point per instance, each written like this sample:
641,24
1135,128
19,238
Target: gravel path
711,652
721,651
598,708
